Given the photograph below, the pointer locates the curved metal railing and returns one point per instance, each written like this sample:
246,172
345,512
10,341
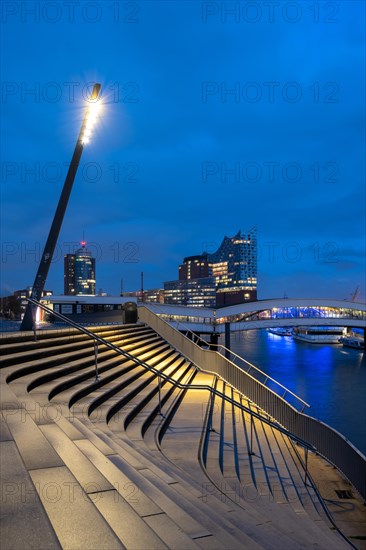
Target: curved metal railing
162,375
213,391
228,354
331,444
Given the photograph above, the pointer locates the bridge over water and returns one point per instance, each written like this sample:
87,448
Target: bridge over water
279,312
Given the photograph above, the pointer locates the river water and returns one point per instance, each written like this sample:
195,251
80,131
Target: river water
331,378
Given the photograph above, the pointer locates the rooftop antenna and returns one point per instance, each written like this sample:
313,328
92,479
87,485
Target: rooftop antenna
142,286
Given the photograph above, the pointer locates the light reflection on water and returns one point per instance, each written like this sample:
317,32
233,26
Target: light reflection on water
331,378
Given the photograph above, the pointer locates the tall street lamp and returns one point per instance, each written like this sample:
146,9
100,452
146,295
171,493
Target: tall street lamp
89,121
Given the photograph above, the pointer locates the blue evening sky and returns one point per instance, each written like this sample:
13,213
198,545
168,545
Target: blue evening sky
177,161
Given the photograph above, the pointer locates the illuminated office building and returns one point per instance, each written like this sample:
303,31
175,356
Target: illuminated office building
225,277
79,272
154,295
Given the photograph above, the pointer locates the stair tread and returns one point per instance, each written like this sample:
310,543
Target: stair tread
89,477
129,527
24,521
75,519
34,447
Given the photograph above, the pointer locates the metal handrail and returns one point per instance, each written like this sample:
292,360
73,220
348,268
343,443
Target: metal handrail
267,377
307,446
331,444
213,391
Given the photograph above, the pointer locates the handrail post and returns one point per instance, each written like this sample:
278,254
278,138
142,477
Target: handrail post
306,465
159,392
251,453
210,413
34,323
209,423
97,377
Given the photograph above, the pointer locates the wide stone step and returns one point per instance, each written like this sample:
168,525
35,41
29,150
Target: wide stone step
31,380
101,394
25,337
53,360
166,486
146,480
24,522
59,339
146,405
62,379
155,426
115,410
78,524
261,529
256,489
132,486
56,497
141,406
48,345
37,353
199,493
292,472
128,458
70,371
130,528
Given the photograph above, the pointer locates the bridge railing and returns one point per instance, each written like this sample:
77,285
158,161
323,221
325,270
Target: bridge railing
248,367
329,443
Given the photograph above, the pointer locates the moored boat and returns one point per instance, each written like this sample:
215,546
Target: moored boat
280,331
352,342
319,335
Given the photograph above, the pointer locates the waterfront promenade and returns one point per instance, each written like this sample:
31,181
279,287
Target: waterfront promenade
123,461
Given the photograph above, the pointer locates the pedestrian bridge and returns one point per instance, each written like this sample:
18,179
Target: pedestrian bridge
263,314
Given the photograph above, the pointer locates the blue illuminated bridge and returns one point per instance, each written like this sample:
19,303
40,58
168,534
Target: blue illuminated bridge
280,312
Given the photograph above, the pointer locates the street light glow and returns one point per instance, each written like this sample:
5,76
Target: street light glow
91,119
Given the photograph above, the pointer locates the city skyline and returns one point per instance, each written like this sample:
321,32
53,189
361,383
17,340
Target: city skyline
270,253
233,129
270,250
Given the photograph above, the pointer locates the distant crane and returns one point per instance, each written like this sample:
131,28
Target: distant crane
356,294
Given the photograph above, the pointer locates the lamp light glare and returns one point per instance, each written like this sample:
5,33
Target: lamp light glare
91,120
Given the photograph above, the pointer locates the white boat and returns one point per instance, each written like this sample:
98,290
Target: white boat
352,342
319,335
280,331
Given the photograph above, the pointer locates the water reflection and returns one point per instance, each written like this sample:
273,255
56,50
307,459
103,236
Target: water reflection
331,378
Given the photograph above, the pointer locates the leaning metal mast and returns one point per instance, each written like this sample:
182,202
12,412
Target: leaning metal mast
46,259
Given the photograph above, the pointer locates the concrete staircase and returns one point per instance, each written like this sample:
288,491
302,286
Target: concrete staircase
126,462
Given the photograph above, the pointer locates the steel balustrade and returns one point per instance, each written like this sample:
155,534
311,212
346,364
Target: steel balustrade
267,419
329,443
99,340
257,371
308,432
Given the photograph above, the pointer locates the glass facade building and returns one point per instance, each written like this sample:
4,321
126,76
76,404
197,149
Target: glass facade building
194,292
79,272
225,277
